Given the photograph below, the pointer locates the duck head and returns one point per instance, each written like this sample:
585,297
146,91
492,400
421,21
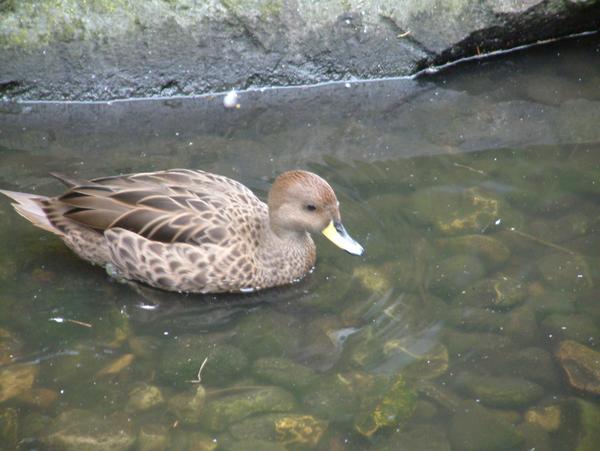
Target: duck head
300,202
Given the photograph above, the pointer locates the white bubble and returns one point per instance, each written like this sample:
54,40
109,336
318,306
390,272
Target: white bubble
231,100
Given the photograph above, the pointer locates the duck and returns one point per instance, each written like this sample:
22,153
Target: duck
190,230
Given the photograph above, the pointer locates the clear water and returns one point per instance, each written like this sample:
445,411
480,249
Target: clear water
476,195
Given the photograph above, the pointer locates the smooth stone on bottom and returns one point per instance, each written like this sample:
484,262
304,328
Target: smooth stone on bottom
500,292
286,428
182,358
80,430
534,364
564,272
221,412
492,251
577,327
265,334
535,437
455,210
460,343
144,397
229,444
393,407
16,379
188,406
581,365
454,274
547,417
477,319
9,425
420,437
589,419
475,428
503,392
334,398
572,423
152,438
284,372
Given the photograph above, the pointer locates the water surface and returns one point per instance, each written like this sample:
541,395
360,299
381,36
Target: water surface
470,323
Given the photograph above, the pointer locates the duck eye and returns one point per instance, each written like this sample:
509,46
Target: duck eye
310,207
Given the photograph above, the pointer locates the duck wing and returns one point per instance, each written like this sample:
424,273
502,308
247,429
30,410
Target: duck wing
176,206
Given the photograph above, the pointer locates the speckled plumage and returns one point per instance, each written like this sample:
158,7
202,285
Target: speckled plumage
190,231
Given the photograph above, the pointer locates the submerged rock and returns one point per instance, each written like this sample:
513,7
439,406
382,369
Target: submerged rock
144,346
10,347
394,406
265,334
501,293
227,444
78,430
181,360
144,397
503,392
364,348
491,250
523,326
534,364
284,372
454,274
420,437
33,426
547,417
334,398
429,365
42,398
285,428
454,210
198,441
152,438
576,327
477,319
581,365
116,366
572,423
375,279
548,302
475,428
9,426
221,412
534,437
16,379
188,407
460,343
566,272
589,419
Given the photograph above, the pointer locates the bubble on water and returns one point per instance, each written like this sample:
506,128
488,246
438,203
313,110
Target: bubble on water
231,100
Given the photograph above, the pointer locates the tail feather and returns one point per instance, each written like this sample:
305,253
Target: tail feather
28,206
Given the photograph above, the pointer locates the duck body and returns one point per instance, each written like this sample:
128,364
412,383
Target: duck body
190,230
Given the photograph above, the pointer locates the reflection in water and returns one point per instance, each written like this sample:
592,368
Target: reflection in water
470,323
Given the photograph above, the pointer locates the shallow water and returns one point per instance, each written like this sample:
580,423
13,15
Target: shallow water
471,323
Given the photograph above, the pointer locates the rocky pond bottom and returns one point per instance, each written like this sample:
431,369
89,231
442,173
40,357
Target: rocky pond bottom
472,322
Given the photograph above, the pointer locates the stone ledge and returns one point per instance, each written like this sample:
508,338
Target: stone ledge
107,49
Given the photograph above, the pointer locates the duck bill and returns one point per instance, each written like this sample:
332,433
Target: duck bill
337,234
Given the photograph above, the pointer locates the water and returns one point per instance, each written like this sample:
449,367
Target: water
468,324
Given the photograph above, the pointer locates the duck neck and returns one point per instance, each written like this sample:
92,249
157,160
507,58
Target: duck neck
287,252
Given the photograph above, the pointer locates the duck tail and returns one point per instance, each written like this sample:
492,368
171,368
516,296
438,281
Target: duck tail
30,207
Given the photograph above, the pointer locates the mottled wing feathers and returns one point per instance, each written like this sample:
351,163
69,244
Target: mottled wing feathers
170,206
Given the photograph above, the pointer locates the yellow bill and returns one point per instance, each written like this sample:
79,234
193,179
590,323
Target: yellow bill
337,234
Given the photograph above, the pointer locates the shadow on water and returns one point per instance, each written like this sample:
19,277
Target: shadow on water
470,323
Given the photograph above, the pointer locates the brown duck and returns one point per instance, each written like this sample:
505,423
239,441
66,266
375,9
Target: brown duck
193,231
